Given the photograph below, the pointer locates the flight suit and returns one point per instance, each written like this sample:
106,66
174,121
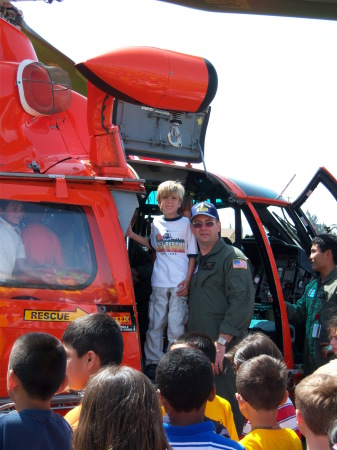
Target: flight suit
316,307
221,300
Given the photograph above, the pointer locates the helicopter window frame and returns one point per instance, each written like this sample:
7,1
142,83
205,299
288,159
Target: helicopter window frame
67,278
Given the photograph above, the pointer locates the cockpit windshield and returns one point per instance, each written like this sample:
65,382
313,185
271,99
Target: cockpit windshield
45,245
284,223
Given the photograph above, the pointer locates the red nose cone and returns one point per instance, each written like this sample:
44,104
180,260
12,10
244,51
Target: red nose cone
154,77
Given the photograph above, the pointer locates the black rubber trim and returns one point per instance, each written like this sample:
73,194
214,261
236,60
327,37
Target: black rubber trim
103,86
212,86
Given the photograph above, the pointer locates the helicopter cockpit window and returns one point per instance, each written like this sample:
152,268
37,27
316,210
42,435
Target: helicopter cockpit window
45,245
228,225
280,225
320,210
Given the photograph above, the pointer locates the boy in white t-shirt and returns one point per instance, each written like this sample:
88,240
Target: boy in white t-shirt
176,250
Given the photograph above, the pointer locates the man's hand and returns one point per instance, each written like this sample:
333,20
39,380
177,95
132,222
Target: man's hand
220,354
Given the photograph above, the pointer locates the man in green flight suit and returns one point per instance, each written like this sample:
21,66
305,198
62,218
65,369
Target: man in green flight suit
319,302
221,297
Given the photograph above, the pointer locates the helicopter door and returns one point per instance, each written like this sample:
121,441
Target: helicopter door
316,206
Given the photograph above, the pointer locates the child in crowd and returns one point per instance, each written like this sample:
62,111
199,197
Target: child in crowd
261,388
90,342
316,409
219,409
176,251
256,344
36,371
185,383
120,411
329,348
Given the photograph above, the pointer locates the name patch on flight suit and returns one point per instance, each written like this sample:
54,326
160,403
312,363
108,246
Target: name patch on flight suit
208,265
311,293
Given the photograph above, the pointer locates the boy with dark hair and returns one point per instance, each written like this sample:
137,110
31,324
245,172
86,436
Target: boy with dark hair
36,371
219,409
316,409
91,342
261,388
198,340
185,382
256,344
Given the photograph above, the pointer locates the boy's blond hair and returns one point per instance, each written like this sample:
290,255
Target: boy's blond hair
316,399
168,188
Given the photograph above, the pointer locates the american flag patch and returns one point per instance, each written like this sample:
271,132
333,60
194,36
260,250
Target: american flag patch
239,264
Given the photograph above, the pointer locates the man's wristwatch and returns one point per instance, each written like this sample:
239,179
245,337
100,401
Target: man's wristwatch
221,340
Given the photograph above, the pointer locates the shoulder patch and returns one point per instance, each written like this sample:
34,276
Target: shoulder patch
239,264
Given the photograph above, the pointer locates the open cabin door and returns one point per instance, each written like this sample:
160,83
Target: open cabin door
316,206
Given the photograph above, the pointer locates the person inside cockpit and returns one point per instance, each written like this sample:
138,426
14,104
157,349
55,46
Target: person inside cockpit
12,251
42,246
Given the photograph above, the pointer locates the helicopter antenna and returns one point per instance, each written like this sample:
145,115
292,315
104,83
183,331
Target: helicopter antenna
286,186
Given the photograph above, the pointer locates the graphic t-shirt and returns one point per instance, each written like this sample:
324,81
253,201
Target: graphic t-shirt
173,241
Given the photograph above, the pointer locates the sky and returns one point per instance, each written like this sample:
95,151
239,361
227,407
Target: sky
275,112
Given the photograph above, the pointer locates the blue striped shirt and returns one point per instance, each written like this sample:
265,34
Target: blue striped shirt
197,437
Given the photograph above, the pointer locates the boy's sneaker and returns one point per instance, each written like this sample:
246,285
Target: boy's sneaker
150,371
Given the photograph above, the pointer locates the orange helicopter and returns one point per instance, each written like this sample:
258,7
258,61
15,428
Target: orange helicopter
82,147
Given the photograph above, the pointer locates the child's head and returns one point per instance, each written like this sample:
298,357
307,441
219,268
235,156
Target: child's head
184,378
120,411
186,206
316,403
38,360
262,383
332,329
254,344
197,340
170,188
91,342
